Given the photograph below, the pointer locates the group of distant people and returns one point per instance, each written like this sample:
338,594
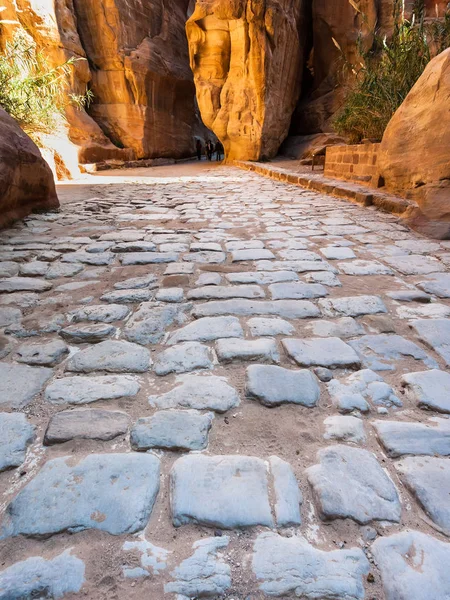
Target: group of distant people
210,149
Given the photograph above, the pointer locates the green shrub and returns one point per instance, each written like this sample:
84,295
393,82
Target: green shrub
388,70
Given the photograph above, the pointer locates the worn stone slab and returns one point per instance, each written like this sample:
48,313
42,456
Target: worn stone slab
400,438
8,268
428,479
349,483
35,268
19,384
430,311
344,327
209,279
409,296
235,349
352,306
172,430
288,497
206,257
137,283
353,393
294,254
205,246
170,294
415,264
111,356
344,428
431,389
273,386
90,334
90,424
45,354
244,245
132,296
381,352
147,258
199,392
221,491
413,565
435,333
87,258
225,292
323,277
298,266
262,277
149,323
251,254
288,309
206,330
24,284
290,565
37,577
184,357
297,291
100,313
205,574
134,246
365,267
110,492
84,390
177,268
322,352
9,316
437,284
17,435
269,327
57,270
337,253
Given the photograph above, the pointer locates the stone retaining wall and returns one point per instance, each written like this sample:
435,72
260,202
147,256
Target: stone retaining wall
356,163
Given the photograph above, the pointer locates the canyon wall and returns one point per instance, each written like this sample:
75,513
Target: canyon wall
247,56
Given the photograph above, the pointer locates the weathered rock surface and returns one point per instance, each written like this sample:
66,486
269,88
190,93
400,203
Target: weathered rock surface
288,497
235,349
248,109
91,424
435,333
273,386
344,429
46,354
26,181
17,434
84,390
323,352
431,389
111,356
67,495
19,384
183,358
207,329
400,438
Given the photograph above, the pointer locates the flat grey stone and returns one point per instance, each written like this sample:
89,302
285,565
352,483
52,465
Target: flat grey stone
87,258
17,435
172,430
365,267
134,246
24,284
251,254
428,478
206,257
132,296
345,327
23,300
435,333
204,574
183,358
297,291
360,387
431,389
97,247
221,491
147,258
209,279
288,497
400,438
244,245
9,316
9,268
84,390
124,235
337,253
36,577
173,294
323,374
149,323
290,565
35,325
35,268
111,356
137,283
349,483
45,354
100,313
429,311
199,392
353,306
90,424
304,255
413,565
232,349
273,386
415,264
207,329
299,266
57,270
91,334
225,292
19,384
323,277
323,352
437,284
421,246
410,296
381,352
270,327
111,492
211,246
344,429
288,309
261,277
179,269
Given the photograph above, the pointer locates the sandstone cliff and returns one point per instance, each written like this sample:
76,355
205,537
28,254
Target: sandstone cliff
247,57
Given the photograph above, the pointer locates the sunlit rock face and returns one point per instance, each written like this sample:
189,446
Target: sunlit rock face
246,56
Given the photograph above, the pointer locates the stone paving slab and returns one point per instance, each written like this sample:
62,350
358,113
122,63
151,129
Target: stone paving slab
91,424
430,389
273,386
19,384
402,438
330,352
288,309
17,435
111,356
84,390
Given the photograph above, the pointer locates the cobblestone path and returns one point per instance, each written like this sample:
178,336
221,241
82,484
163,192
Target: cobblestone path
223,386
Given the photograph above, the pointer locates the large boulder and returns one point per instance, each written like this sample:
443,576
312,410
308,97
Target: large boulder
247,57
414,156
26,181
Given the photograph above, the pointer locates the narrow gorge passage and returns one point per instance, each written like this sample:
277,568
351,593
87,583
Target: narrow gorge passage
218,385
